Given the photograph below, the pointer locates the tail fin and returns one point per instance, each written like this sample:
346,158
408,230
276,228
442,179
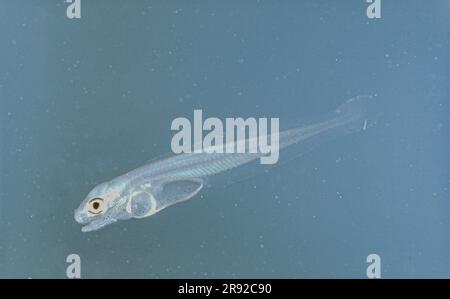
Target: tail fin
354,112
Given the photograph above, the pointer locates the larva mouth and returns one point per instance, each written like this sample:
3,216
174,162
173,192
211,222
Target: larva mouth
81,218
97,224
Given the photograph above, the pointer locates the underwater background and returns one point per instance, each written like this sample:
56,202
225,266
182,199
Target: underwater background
85,100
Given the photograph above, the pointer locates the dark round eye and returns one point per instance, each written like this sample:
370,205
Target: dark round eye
95,206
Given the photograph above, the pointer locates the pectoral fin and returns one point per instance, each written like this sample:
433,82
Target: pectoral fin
172,192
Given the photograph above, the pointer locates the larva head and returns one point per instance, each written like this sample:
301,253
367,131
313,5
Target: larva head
105,204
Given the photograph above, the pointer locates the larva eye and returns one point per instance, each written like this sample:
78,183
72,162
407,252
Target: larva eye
96,206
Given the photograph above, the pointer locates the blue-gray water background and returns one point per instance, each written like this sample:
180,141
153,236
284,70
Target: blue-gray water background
82,101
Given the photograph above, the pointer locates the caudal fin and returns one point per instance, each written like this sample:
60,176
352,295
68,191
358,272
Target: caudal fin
354,112
356,107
